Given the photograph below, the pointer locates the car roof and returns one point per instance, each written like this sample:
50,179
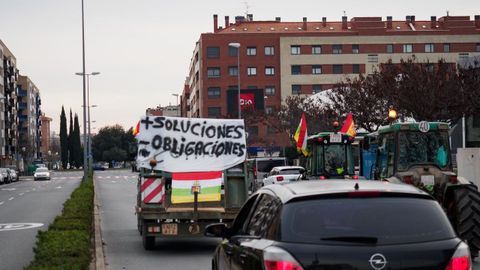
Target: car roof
289,191
287,167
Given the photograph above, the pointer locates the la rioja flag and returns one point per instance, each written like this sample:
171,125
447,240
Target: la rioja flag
210,184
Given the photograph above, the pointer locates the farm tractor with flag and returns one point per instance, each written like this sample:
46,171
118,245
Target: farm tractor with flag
192,173
419,154
330,154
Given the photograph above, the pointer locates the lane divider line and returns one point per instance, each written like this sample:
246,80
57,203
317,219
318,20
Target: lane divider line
11,198
2,203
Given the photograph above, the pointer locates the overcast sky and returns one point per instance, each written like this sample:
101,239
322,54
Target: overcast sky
143,47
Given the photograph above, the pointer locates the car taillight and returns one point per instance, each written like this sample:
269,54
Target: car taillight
275,258
322,177
461,259
408,179
453,179
355,177
279,178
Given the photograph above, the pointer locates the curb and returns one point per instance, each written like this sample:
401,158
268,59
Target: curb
99,257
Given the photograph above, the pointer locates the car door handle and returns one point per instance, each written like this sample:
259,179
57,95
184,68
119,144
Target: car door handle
243,256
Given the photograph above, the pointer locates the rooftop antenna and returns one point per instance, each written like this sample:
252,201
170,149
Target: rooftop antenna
344,13
448,13
246,8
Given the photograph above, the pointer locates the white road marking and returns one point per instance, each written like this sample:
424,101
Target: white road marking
34,189
114,181
117,177
59,187
9,189
21,194
2,203
11,198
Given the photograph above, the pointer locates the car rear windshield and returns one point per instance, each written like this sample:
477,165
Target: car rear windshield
387,220
290,171
42,170
267,165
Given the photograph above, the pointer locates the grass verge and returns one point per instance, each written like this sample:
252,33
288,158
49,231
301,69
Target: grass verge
67,242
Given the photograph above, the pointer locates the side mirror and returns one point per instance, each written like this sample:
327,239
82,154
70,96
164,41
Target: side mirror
216,230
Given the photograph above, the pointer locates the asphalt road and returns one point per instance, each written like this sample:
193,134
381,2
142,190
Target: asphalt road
116,193
28,202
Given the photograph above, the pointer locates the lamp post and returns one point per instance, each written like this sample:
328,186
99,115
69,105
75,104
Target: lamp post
88,142
237,46
176,95
85,171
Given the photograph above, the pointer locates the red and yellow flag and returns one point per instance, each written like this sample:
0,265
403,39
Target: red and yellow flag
136,129
301,136
349,126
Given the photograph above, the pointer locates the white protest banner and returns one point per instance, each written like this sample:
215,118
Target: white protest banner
191,144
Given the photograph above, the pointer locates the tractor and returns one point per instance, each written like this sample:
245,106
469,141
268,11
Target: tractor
331,156
419,154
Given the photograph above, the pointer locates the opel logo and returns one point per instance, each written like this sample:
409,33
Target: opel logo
378,261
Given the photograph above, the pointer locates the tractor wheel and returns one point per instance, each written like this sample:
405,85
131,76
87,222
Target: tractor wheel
148,242
464,213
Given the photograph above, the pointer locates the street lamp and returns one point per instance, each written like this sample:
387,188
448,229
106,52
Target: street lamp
176,95
88,142
237,46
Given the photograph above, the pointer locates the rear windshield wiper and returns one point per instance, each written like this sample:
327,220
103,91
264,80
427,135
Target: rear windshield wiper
354,239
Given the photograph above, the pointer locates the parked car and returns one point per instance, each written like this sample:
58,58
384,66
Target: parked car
41,173
13,174
283,174
2,181
98,167
339,224
5,175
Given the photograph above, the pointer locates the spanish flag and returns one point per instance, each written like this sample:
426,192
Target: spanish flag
349,126
136,129
301,136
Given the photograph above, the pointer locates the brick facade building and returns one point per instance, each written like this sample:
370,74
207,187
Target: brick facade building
278,59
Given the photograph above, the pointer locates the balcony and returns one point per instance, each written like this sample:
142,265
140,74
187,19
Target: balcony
22,105
22,93
23,118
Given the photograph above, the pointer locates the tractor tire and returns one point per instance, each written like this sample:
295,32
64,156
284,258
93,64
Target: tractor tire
464,213
148,242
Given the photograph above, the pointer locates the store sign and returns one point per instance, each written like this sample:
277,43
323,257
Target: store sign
247,100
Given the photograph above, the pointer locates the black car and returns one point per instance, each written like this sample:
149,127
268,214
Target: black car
341,225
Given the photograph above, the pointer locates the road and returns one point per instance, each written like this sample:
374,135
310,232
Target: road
116,192
34,205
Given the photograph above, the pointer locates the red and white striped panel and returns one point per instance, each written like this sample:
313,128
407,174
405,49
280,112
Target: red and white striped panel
153,190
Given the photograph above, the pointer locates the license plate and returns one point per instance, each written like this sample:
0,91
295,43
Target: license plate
428,179
169,229
335,138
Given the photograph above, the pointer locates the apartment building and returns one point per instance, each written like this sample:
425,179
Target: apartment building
8,106
30,118
45,135
277,59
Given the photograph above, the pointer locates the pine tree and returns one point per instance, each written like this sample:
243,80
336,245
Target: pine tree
63,138
77,143
71,149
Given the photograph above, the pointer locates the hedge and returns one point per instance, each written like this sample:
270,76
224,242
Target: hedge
67,242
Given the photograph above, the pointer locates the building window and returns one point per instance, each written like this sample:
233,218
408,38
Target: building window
213,112
268,110
355,48
251,50
296,70
356,69
316,69
271,130
213,92
213,72
251,71
295,49
389,48
476,121
463,56
232,51
337,49
477,47
446,47
213,52
269,50
269,71
316,88
233,71
429,48
296,89
372,58
269,90
407,48
252,87
337,69
316,49
252,131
